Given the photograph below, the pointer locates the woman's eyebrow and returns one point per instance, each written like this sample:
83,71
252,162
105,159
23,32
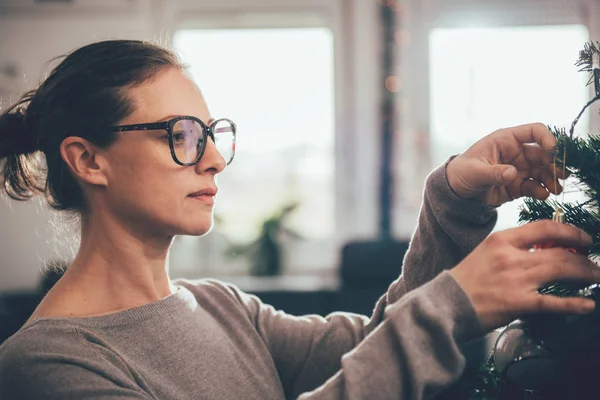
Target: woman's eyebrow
168,117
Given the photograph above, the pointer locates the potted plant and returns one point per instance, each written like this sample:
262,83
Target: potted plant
266,251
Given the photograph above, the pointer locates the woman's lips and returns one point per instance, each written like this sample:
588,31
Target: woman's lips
206,195
204,198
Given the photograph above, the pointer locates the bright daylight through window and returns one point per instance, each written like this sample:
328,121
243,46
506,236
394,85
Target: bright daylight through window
277,86
485,78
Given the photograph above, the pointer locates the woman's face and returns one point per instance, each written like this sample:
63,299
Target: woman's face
146,188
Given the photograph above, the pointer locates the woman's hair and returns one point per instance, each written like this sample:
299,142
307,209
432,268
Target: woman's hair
85,95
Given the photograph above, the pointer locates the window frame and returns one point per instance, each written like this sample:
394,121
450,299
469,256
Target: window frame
419,19
350,176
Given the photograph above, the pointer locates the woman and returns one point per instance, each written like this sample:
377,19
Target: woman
132,149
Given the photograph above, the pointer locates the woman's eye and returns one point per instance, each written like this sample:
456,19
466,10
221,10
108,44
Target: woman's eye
178,137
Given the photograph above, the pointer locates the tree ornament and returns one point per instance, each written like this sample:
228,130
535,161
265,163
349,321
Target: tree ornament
557,216
523,360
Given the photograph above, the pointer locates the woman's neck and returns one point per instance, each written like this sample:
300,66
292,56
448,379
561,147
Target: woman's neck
117,268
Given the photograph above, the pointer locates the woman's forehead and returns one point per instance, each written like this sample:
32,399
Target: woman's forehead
170,93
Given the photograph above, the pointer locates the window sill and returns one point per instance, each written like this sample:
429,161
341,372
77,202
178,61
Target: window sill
284,283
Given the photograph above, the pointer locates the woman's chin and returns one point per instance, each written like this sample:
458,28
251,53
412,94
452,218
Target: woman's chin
197,230
200,232
188,224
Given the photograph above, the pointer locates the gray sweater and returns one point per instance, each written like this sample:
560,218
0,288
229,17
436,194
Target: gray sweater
209,340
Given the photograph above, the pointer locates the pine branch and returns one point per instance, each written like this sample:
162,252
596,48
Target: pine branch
585,59
573,340
582,160
589,61
575,214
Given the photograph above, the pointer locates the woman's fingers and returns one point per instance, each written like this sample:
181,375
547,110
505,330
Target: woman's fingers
502,275
539,164
561,265
550,266
547,177
536,156
564,255
494,169
548,303
561,173
544,231
534,133
533,188
541,167
539,185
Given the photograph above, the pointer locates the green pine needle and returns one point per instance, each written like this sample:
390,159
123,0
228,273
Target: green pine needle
585,58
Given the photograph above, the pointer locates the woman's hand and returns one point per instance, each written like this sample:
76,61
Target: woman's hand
505,165
502,276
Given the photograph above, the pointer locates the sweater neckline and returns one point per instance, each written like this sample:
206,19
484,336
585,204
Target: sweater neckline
178,302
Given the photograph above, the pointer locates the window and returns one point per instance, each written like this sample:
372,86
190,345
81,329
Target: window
482,79
277,85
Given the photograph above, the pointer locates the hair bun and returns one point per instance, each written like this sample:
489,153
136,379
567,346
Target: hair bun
15,137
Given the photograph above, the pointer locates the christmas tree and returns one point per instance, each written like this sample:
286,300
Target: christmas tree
548,357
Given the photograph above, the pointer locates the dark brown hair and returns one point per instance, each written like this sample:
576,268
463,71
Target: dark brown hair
83,96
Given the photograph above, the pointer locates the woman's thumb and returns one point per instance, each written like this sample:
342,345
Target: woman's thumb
502,174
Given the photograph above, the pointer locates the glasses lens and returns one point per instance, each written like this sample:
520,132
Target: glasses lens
225,139
188,140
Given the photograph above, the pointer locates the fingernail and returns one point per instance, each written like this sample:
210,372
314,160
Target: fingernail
588,306
508,174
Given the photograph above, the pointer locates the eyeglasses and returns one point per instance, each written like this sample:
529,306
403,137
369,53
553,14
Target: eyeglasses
188,137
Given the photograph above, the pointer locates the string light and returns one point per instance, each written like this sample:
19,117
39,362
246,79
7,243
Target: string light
393,84
403,37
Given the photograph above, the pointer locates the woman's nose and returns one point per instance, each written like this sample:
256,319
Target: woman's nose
211,160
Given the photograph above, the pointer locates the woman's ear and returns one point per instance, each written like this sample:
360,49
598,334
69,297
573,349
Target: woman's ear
84,160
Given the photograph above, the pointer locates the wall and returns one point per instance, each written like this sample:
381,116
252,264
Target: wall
31,34
418,18
29,38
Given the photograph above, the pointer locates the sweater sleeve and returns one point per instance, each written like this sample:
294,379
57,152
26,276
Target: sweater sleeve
408,348
412,353
448,229
63,366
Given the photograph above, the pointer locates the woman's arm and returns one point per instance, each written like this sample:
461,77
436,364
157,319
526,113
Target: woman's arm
449,228
505,165
412,353
309,353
